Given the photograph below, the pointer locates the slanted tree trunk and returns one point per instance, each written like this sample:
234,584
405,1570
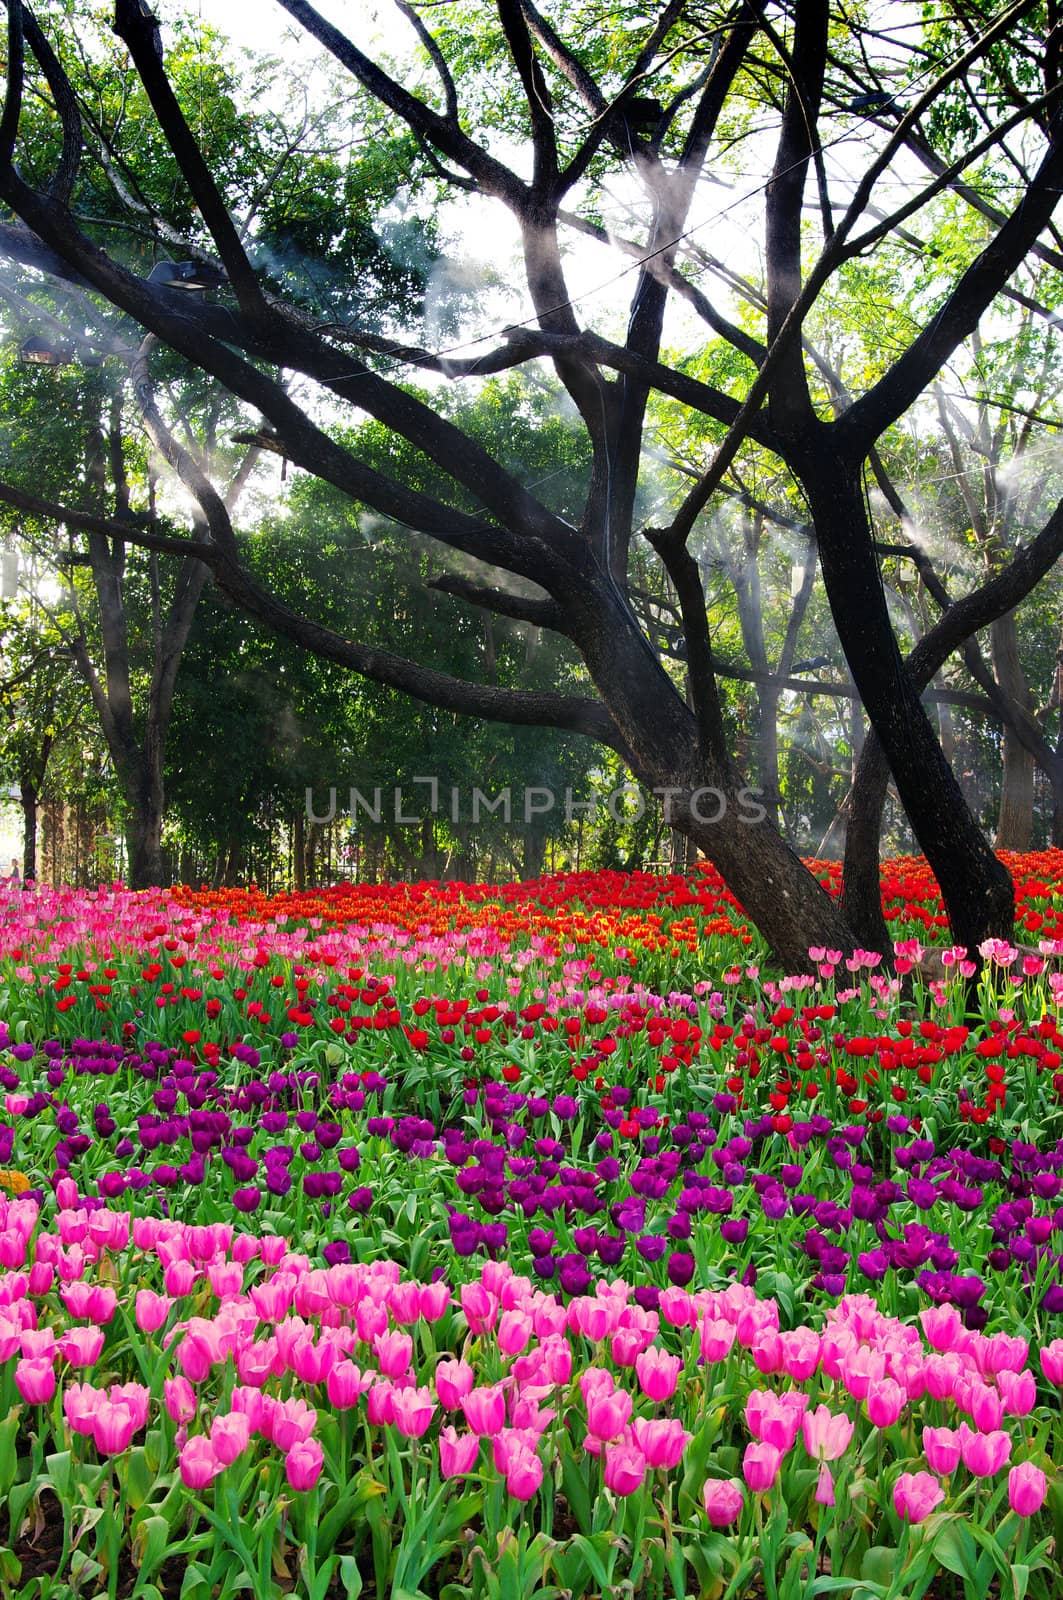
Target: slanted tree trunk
977,889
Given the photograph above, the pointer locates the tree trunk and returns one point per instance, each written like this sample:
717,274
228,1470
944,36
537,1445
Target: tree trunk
299,852
533,854
1015,818
666,752
144,843
976,888
28,801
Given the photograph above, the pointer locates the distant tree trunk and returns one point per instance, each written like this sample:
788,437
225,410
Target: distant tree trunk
533,855
299,852
28,799
1015,819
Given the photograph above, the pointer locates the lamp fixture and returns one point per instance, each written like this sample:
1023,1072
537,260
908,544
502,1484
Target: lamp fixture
193,276
39,352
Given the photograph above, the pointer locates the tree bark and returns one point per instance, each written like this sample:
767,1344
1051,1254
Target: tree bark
28,799
1015,818
976,888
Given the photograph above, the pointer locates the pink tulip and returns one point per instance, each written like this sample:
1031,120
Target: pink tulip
592,1318
42,1276
180,1278
514,1331
624,1468
677,1308
827,1434
767,1351
480,1307
394,1352
226,1279
82,1346
257,1360
405,1302
986,1407
716,1338
457,1452
942,1450
1027,1488
248,1403
824,1486
412,1411
135,1397
312,1362
303,1464
151,1310
885,1401
760,1466
800,1353
435,1298
662,1440
608,1414
113,1427
626,1346
80,1401
453,1381
524,1473
1018,1391
1002,1352
230,1436
378,1403
915,1494
723,1500
197,1462
179,1399
485,1409
345,1384
943,1327
984,1453
658,1373
293,1421
1052,1362
771,1420
35,1380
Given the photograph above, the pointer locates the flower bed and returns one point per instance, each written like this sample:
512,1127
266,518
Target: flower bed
479,1242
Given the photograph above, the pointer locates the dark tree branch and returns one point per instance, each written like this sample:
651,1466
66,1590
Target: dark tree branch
138,30
542,613
63,179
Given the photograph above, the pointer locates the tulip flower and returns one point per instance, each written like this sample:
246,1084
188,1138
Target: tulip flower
624,1468
915,1494
113,1427
760,1466
827,1434
658,1373
303,1463
230,1436
412,1410
723,1501
457,1452
35,1380
1027,1489
197,1462
485,1409
941,1446
983,1453
524,1473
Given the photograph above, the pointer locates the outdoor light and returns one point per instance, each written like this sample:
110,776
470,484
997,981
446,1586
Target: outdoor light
191,275
38,352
